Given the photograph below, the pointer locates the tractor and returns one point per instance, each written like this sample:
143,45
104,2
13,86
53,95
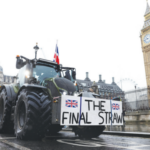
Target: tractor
29,107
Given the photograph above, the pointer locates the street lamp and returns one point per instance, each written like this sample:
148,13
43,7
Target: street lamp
100,92
136,96
81,88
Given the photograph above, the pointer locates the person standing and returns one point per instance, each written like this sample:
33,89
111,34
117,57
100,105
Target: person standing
123,114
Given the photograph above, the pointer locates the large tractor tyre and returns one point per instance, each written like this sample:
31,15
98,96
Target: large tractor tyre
53,129
88,132
32,114
6,126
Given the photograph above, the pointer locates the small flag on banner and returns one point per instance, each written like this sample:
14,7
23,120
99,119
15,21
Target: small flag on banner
56,55
71,103
115,106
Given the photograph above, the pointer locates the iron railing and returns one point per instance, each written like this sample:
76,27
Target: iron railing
137,99
136,105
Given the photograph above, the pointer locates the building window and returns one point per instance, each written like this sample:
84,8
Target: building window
84,84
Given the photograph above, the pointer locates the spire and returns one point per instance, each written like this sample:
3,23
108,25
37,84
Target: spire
87,77
100,79
147,9
113,81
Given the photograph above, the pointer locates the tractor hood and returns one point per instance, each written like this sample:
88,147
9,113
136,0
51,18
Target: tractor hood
56,86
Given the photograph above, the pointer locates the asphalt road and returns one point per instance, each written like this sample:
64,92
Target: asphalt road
68,141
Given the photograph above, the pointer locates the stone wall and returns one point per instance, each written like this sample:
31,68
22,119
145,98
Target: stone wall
137,116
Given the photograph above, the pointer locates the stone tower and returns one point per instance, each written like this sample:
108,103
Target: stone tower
145,40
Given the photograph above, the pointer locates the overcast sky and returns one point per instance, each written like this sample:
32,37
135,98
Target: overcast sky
95,36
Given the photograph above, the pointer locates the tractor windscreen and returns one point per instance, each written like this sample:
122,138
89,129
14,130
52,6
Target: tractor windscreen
43,72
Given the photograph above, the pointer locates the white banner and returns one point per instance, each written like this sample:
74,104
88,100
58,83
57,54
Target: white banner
90,111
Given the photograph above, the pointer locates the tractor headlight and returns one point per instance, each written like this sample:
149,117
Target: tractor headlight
27,74
63,92
75,94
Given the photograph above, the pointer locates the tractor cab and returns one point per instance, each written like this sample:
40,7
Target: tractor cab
37,70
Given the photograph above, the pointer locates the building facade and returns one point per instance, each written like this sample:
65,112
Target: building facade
4,79
106,91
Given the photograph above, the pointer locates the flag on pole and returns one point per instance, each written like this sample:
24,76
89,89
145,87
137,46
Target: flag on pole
56,55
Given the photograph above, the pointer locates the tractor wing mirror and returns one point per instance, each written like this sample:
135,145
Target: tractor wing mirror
67,75
19,63
60,66
74,75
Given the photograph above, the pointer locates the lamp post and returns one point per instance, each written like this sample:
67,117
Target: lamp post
121,84
81,88
136,96
99,91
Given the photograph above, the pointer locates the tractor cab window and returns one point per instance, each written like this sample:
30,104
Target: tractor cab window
43,72
21,76
68,74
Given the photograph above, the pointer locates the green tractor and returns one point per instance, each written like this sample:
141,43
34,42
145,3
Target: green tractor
27,107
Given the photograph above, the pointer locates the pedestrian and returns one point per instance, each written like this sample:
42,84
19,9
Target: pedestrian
123,113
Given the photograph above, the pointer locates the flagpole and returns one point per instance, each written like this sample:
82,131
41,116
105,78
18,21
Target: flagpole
56,55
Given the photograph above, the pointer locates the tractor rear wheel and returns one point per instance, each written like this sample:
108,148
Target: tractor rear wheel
6,126
32,114
88,132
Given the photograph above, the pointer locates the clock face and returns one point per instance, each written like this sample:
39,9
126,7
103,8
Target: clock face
147,38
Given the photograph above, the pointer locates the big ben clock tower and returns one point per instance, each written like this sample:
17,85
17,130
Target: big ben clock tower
145,40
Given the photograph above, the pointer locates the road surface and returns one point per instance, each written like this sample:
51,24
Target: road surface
66,140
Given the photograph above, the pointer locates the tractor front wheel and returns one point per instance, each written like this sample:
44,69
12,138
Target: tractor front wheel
32,114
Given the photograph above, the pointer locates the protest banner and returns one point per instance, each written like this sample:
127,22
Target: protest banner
90,111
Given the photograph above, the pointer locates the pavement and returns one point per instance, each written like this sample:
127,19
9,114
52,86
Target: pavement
66,140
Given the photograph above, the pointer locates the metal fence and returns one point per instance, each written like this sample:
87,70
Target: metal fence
137,99
136,105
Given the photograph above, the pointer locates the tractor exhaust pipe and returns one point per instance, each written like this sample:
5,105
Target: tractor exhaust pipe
36,49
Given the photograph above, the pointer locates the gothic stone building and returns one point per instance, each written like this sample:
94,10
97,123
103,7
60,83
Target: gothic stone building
106,91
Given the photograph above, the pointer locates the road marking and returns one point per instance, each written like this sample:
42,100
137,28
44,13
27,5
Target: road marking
4,140
123,142
110,140
84,144
87,143
15,145
96,143
7,138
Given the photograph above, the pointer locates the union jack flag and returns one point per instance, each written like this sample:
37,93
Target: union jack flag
71,103
56,55
115,106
